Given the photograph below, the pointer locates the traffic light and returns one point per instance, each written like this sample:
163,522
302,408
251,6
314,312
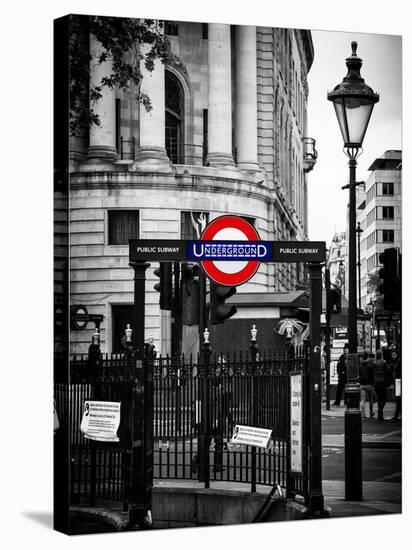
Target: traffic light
190,294
335,300
391,282
219,311
164,286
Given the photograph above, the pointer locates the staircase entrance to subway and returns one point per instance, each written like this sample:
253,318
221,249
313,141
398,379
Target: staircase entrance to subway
179,413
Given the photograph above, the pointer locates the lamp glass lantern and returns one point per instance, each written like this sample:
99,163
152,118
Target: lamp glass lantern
353,101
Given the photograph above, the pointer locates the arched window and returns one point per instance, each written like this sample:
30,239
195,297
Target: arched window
174,137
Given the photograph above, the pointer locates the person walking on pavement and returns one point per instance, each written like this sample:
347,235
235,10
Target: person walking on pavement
341,369
366,380
397,375
383,377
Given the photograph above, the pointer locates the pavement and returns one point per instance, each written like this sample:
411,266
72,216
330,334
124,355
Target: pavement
379,497
375,434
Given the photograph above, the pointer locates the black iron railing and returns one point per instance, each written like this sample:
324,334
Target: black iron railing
186,153
196,405
177,151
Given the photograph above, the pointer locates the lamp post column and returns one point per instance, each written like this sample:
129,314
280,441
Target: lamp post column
353,101
353,419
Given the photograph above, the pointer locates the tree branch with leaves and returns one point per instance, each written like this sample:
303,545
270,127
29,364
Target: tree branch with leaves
373,282
122,40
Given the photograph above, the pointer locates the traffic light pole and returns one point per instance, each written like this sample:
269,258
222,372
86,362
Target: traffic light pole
327,337
176,311
202,308
358,233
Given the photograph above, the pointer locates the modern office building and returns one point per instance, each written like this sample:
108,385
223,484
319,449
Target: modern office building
226,134
379,213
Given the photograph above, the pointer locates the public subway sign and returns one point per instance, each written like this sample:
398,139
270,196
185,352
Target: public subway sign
298,251
229,250
165,250
296,418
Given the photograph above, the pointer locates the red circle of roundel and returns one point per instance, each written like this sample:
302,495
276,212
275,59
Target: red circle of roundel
242,276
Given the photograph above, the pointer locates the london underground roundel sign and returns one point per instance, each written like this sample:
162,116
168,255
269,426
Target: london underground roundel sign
229,233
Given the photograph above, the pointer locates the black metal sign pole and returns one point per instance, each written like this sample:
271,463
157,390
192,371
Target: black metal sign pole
316,501
142,416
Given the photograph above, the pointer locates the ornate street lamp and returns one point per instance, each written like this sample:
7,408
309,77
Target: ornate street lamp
353,101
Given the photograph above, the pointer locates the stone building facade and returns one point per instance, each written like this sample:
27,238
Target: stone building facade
337,261
226,134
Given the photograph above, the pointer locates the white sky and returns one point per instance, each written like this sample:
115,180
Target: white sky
382,67
27,230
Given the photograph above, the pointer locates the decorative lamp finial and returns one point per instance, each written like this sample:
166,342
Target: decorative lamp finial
96,336
354,45
128,332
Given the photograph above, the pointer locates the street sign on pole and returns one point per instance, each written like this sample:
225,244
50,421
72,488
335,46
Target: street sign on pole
296,417
101,420
250,435
230,253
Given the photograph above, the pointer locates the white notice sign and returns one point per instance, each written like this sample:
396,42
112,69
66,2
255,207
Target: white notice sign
296,423
248,435
101,420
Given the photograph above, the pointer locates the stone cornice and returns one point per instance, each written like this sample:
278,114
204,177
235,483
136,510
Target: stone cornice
242,186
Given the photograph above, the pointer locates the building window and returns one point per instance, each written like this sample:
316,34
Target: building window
371,194
371,240
122,315
172,29
371,217
387,212
205,31
174,119
192,225
250,220
387,189
388,236
123,225
372,262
